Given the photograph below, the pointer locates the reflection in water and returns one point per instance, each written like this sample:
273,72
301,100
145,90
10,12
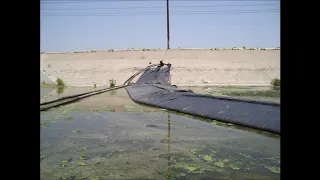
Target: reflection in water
169,138
60,89
113,93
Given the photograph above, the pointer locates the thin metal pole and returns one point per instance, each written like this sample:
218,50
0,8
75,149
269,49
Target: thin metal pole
168,32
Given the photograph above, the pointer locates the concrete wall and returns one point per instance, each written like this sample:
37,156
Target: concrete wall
189,67
45,79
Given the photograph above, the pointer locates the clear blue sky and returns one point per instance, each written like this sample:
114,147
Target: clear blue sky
99,24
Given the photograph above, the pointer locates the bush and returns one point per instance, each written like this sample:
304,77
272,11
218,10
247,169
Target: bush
275,83
60,82
243,47
112,83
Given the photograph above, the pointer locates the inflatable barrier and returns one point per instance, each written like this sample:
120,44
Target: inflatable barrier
153,88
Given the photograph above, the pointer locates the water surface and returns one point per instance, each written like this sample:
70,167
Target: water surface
108,136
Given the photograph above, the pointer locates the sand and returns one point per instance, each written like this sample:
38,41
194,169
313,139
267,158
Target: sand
189,67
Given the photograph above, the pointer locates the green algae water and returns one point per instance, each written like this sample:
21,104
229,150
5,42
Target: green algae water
247,92
110,137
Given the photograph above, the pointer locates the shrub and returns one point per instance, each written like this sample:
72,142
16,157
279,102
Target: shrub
275,83
60,82
112,83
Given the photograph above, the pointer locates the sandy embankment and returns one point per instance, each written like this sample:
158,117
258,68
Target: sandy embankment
189,67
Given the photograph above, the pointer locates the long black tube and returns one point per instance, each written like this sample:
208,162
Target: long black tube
80,97
77,97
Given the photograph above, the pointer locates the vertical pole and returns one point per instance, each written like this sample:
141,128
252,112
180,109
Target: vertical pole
168,32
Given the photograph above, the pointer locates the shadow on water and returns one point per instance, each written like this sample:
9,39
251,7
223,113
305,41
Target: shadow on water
113,93
110,137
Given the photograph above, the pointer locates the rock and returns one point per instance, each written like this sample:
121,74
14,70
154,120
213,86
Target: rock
206,81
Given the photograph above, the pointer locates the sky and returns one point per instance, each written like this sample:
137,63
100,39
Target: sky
80,25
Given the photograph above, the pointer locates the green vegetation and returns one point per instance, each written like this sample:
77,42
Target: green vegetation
43,84
60,82
273,169
43,156
45,123
243,47
275,83
64,163
60,86
264,93
81,163
112,83
94,85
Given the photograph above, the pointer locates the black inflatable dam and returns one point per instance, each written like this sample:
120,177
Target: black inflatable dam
153,88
